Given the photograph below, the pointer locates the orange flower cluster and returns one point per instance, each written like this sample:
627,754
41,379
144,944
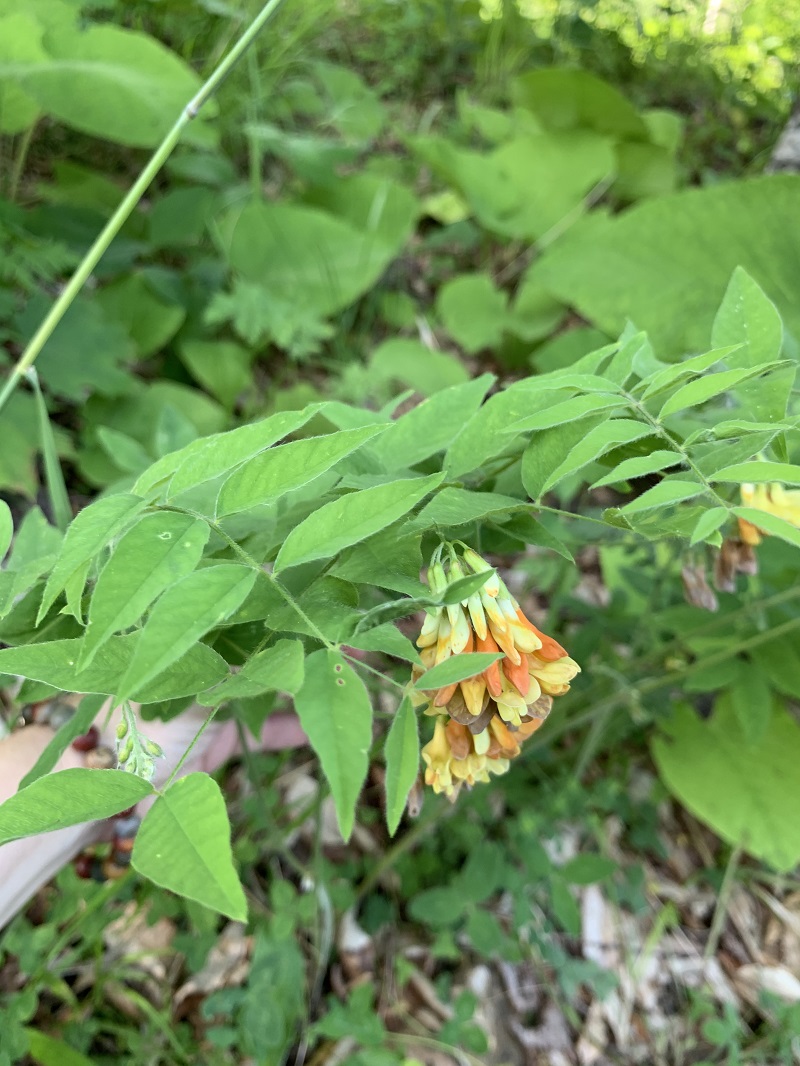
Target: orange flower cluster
482,721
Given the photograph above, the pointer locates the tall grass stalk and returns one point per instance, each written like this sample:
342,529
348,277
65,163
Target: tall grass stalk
131,199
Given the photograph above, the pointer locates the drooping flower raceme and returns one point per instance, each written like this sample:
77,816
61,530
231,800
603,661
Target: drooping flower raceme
482,721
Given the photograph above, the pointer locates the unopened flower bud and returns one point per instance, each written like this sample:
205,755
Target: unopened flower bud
154,749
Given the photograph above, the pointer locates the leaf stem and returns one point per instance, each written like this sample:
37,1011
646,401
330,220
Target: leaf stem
129,202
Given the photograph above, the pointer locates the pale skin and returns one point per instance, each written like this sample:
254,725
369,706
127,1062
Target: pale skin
26,865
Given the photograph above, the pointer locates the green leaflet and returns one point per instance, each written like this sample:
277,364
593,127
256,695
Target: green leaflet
275,669
66,798
456,668
207,458
153,555
276,471
703,389
708,523
335,711
402,762
567,411
432,425
352,518
757,471
53,663
639,466
89,532
596,443
184,845
664,494
181,616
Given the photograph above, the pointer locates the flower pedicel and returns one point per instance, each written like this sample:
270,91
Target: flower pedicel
481,722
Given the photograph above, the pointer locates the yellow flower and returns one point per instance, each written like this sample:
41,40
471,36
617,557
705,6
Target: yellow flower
773,499
438,756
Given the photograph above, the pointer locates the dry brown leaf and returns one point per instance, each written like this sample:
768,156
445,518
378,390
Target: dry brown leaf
227,965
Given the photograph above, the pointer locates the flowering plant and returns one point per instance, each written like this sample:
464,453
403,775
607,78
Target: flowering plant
482,720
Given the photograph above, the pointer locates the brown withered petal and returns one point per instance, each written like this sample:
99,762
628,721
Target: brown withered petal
734,557
540,709
457,709
724,571
477,725
696,588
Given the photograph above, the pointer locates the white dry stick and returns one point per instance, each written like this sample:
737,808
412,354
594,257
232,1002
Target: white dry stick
26,865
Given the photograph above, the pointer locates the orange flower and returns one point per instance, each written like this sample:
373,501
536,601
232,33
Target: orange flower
493,712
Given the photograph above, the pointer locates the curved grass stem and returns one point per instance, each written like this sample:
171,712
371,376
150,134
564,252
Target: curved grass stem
129,202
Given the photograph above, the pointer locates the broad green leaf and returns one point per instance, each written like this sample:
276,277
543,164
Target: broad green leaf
6,528
547,449
221,366
388,639
274,472
53,663
313,263
708,523
154,554
596,443
69,797
527,186
666,263
639,466
458,507
207,458
352,518
184,845
749,318
568,98
275,669
432,425
75,726
408,362
181,616
567,411
665,494
674,374
759,471
336,714
779,660
109,82
89,532
402,762
47,1051
473,311
752,700
456,668
742,790
706,388
770,523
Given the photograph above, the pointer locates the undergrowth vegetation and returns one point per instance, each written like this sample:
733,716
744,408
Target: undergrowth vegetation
420,279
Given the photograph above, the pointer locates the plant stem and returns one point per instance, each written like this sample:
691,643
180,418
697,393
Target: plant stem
129,202
18,166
